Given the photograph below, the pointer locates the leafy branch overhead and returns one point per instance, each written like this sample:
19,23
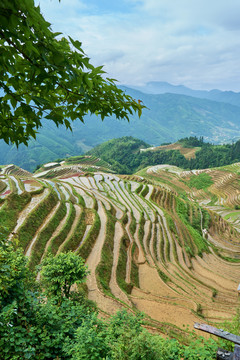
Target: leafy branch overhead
45,75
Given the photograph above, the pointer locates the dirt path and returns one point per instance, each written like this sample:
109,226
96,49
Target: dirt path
150,282
105,303
212,278
174,314
115,289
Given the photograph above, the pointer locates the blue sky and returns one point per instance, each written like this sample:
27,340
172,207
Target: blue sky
191,42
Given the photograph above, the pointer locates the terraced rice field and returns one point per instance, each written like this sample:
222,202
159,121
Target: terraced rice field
188,153
143,254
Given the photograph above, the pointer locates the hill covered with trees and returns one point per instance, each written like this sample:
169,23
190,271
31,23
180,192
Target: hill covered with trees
128,155
167,118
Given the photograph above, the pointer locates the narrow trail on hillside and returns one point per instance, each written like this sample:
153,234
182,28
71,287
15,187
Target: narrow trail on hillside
35,201
167,313
44,224
105,303
114,287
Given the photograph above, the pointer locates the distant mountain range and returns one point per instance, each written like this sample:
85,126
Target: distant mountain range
172,112
160,87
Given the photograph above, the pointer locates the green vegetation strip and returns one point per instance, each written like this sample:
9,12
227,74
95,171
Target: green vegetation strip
59,239
104,268
201,181
134,267
3,186
121,267
35,219
133,225
44,236
73,242
141,231
182,209
10,210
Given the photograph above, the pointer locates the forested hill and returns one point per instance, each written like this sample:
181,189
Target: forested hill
128,155
167,118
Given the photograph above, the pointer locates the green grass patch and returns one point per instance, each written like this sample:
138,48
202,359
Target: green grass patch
73,242
35,219
139,189
141,231
133,225
3,186
9,212
201,181
121,267
134,267
44,236
145,191
163,276
124,219
233,216
59,239
104,268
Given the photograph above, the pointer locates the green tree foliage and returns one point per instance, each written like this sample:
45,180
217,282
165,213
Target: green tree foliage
201,181
126,158
45,75
13,274
33,326
192,141
60,272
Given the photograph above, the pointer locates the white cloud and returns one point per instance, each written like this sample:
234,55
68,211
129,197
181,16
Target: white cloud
196,43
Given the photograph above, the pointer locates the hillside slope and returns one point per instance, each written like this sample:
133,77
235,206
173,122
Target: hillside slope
141,236
167,118
128,155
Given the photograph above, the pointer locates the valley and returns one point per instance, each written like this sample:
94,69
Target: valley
164,241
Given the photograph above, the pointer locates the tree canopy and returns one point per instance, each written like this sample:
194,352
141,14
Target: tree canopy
39,327
45,75
60,272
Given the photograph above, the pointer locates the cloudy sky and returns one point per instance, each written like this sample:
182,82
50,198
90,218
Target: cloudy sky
191,42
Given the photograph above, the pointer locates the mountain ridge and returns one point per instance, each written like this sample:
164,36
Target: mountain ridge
167,118
161,87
